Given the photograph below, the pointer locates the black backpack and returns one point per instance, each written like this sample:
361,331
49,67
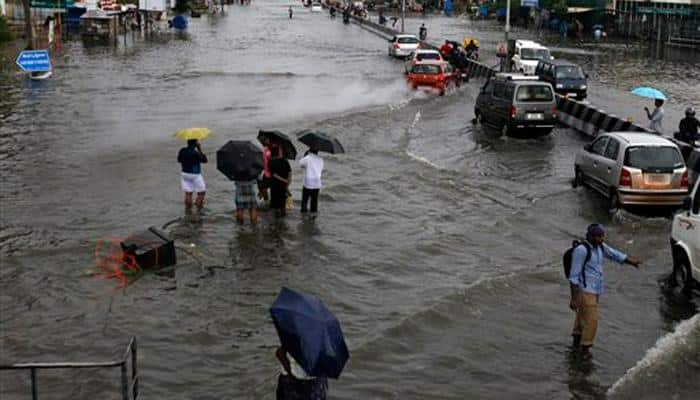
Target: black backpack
568,256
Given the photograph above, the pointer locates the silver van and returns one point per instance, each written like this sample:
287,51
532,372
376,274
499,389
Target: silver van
633,168
517,103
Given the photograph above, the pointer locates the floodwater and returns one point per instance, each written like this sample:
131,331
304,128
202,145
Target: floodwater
438,245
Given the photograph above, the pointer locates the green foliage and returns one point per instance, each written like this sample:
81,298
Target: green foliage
5,34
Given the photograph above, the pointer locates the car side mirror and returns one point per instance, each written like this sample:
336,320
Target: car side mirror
587,147
687,203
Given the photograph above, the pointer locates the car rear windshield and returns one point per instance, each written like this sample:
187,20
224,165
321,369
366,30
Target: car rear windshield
653,157
407,40
426,69
569,72
534,54
534,93
428,56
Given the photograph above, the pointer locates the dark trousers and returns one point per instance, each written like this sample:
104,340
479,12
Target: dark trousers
307,194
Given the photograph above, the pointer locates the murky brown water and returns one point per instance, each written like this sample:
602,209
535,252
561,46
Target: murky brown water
438,244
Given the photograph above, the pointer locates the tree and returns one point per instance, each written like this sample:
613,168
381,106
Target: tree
5,34
28,24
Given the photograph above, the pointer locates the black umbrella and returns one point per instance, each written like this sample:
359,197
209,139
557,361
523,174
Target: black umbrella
288,150
240,160
320,141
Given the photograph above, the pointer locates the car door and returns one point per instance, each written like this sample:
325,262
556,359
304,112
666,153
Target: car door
590,158
496,112
594,159
485,100
609,164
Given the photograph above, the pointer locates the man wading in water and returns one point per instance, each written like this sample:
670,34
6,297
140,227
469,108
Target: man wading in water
586,281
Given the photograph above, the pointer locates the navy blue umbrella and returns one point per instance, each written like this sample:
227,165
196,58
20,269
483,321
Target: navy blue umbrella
310,333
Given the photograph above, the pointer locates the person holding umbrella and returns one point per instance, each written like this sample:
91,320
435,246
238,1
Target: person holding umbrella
191,157
294,383
656,116
242,162
281,178
312,164
312,349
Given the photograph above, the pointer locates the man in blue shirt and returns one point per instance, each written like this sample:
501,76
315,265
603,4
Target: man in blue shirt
586,281
191,180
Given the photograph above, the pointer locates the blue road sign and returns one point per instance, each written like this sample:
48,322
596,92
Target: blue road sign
34,60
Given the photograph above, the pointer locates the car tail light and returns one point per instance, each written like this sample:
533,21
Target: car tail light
684,179
513,112
418,47
396,46
554,112
625,177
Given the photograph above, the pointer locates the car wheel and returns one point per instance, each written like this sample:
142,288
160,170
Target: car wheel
578,178
681,274
614,204
442,92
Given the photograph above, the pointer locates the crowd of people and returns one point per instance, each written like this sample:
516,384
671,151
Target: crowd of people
272,187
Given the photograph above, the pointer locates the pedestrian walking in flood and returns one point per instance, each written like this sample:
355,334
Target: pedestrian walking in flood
656,116
246,199
291,12
281,174
422,32
586,283
294,383
191,180
312,164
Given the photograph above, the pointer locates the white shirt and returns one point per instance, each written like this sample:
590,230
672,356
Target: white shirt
313,168
296,369
655,120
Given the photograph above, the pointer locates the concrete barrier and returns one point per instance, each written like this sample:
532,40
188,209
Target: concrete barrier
583,117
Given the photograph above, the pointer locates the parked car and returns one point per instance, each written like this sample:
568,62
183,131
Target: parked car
513,102
438,75
633,168
566,77
316,7
526,54
403,45
422,55
685,243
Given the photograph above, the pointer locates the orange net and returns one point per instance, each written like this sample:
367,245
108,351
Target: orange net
114,262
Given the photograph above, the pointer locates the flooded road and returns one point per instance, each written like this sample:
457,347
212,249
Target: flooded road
438,245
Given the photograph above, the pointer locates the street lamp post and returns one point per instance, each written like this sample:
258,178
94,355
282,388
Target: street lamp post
403,14
507,30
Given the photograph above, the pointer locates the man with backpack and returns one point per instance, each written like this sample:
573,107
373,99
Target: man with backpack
585,260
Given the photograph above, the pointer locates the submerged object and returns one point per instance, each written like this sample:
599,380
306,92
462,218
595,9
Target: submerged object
150,248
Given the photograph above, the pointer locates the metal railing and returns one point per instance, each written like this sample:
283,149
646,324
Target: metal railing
127,385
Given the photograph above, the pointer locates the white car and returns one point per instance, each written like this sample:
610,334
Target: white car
685,243
403,45
526,55
316,7
422,55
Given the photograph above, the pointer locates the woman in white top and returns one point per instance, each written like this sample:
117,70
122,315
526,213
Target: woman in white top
313,168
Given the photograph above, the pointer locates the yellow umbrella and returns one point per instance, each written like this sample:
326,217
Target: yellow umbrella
193,133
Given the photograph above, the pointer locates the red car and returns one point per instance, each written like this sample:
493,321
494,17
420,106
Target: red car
434,74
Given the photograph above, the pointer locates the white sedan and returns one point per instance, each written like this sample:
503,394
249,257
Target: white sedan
316,7
403,45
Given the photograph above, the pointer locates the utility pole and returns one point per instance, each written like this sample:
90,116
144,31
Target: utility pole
28,30
507,30
403,14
